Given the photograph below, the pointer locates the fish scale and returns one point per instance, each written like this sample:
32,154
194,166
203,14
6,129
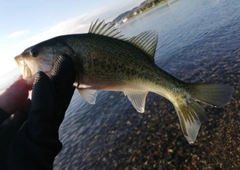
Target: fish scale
110,64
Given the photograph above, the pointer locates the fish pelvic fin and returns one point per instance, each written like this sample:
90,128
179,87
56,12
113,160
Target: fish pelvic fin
191,114
88,94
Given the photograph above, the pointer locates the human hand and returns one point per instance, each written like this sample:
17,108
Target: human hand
29,137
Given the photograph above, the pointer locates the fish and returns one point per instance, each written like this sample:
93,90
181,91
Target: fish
106,60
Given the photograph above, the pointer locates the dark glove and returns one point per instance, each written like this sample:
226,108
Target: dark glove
29,139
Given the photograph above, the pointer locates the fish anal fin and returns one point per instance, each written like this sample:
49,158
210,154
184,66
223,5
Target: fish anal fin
146,41
137,99
88,94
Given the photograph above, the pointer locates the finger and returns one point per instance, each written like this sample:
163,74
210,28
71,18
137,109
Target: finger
14,97
49,99
10,126
42,108
63,76
37,138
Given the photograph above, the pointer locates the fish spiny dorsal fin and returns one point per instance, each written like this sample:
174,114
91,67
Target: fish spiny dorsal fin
146,41
105,29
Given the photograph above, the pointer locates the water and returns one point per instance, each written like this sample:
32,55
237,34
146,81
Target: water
198,42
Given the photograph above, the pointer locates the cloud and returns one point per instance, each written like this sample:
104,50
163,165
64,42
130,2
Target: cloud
75,25
17,34
78,24
81,23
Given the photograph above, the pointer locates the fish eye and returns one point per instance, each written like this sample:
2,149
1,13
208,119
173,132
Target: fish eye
34,52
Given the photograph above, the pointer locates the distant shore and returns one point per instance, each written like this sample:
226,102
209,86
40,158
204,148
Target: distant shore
148,9
144,7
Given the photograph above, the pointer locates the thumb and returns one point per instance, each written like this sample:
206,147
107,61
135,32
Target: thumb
14,97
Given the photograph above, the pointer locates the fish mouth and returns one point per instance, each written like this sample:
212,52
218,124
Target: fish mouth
28,69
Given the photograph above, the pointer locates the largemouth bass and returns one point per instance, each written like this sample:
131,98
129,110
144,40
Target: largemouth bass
104,60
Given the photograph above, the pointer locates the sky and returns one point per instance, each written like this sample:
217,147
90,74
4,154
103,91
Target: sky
27,22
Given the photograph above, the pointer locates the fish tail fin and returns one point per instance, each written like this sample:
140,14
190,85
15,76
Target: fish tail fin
191,114
212,94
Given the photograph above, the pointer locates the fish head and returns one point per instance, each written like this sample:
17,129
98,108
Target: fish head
40,57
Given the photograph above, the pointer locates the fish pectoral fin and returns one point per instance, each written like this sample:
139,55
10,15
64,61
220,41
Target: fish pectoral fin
190,115
89,95
137,99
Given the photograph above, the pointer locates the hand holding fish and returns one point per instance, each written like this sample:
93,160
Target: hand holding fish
29,128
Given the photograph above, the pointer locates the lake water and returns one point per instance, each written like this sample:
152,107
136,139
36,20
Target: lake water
199,41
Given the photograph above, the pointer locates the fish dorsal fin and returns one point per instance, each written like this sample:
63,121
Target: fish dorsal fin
137,99
105,29
146,41
89,95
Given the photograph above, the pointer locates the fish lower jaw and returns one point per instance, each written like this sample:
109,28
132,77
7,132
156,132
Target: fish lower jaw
29,81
